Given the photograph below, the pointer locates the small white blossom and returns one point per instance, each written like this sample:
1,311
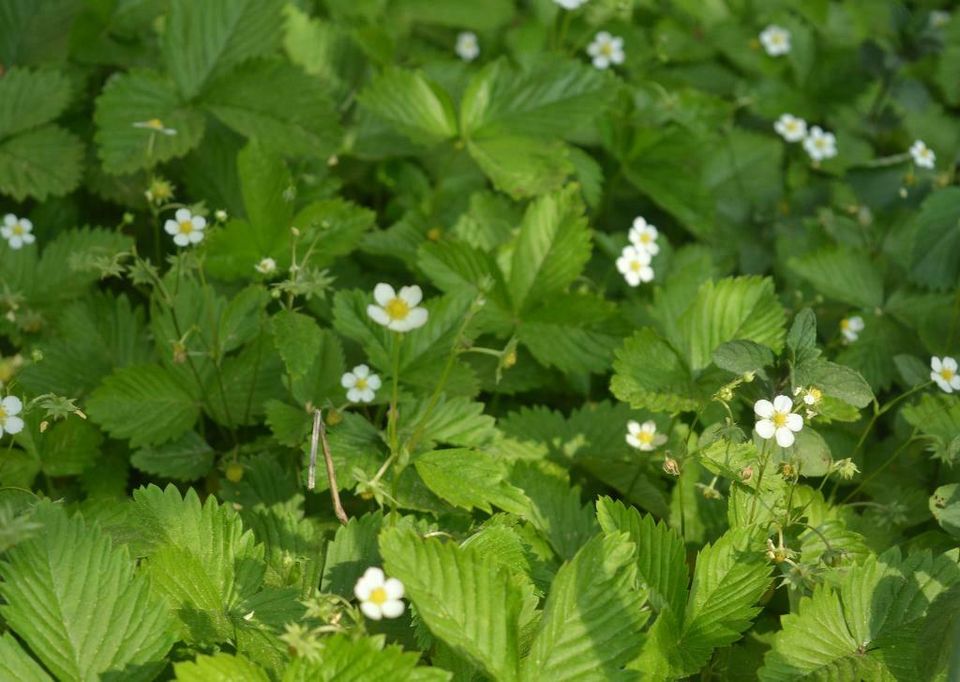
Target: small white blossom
791,128
851,327
468,48
777,419
820,145
17,231
220,215
185,228
361,385
156,125
606,50
643,235
945,374
398,310
939,18
775,40
9,421
644,436
380,597
571,4
266,266
922,155
634,265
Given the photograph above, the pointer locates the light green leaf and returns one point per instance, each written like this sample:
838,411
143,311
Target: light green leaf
470,479
834,380
144,403
648,373
297,338
39,163
592,618
76,602
411,104
742,356
522,166
353,550
347,659
842,275
221,667
945,507
186,459
333,228
16,664
31,98
457,14
936,247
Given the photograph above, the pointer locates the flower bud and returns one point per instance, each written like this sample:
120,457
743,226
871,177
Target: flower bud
671,466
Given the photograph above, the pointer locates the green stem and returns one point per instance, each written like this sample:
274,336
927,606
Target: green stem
393,414
764,458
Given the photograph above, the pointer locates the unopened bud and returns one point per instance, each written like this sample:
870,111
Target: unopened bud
220,215
234,472
36,355
671,466
333,417
43,425
434,234
746,474
510,359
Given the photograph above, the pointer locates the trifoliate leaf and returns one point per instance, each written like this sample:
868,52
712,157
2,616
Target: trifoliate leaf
74,599
186,459
470,479
411,104
843,275
31,98
522,166
39,163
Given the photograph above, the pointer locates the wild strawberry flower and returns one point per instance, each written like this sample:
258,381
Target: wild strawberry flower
922,155
777,419
266,266
819,144
398,310
851,327
570,4
644,436
944,374
10,423
467,48
17,231
634,265
185,228
939,18
643,235
156,125
791,128
361,385
606,50
775,40
380,597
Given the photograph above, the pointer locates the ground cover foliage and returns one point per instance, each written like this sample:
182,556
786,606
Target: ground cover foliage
627,326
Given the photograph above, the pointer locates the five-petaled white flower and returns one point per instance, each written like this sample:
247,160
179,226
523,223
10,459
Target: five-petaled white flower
775,40
922,155
397,310
643,235
266,266
468,48
570,4
791,128
634,265
185,228
939,18
820,145
606,50
945,373
361,385
9,421
380,597
851,327
777,419
644,436
17,231
156,125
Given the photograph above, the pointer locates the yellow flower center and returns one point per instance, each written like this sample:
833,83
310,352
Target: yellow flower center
186,226
635,265
378,596
776,38
361,383
645,437
155,123
18,229
947,374
397,308
606,49
821,143
645,238
3,415
779,419
816,394
844,324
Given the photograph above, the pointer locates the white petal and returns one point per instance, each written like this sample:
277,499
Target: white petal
623,264
782,404
11,405
362,589
378,314
195,237
392,609
633,427
646,273
348,380
15,242
365,396
412,295
373,381
639,223
28,238
633,278
354,395
784,437
794,422
649,427
361,371
935,364
182,215
374,576
393,588
950,364
171,227
941,382
9,220
763,408
13,425
181,240
765,428
633,441
383,293
371,610
199,222
955,382
26,225
417,317
6,232
600,62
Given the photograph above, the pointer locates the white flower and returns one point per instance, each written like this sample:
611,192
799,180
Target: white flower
380,597
17,231
777,419
922,155
820,145
644,436
643,235
467,47
939,18
945,374
634,265
156,125
9,421
606,50
397,311
570,4
776,40
791,128
360,384
266,266
185,228
851,327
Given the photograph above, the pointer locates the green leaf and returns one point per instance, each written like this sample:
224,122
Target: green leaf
298,119
659,553
16,664
346,659
592,618
803,332
936,415
297,338
411,104
31,98
353,550
522,166
69,448
570,332
842,275
945,507
456,14
186,459
470,479
648,373
39,163
742,356
834,380
464,597
333,228
221,667
76,602
144,403
204,39
936,247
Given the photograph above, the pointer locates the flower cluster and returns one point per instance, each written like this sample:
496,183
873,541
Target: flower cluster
17,231
775,40
818,143
606,50
634,260
380,597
